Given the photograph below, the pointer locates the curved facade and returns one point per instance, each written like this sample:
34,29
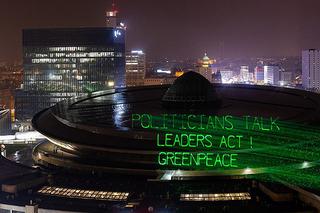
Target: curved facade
96,133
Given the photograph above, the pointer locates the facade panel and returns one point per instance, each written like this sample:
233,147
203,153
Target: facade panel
62,63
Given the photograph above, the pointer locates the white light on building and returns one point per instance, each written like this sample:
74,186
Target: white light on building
164,71
271,74
110,83
135,68
244,74
311,69
227,76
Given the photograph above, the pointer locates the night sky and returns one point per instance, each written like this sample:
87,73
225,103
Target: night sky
177,29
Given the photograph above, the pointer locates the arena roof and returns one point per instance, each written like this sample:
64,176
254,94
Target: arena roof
97,133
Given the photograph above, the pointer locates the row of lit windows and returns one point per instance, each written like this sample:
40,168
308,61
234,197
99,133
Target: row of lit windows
134,56
40,55
61,94
64,76
58,76
87,60
91,54
135,73
53,60
215,197
131,63
56,100
57,71
61,49
63,60
84,194
77,54
44,50
68,85
64,66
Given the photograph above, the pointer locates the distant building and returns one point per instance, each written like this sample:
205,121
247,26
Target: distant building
7,101
135,68
153,81
285,78
311,69
205,67
251,77
244,74
259,75
226,76
10,76
271,74
179,73
216,77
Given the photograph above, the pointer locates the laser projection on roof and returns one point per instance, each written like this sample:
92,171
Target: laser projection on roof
256,147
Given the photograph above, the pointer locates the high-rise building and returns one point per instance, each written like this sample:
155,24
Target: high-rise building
135,68
66,62
226,76
259,75
311,69
205,67
285,78
216,77
251,77
271,74
244,74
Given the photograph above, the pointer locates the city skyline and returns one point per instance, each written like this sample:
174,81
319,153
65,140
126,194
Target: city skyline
175,29
159,106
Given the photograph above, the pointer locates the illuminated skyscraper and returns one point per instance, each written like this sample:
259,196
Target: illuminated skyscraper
271,74
311,69
66,62
226,76
285,78
244,74
204,67
135,68
259,75
61,63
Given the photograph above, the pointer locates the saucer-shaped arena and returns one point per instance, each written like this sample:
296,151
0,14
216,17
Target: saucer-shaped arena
122,131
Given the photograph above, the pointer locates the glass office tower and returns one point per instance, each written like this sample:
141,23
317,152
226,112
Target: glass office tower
61,63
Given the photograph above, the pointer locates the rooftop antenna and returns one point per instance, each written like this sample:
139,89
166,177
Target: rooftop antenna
113,5
114,9
111,16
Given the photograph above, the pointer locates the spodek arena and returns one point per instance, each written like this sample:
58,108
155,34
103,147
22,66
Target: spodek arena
187,147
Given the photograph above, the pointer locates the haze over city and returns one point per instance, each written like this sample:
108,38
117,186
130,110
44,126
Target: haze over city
176,29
